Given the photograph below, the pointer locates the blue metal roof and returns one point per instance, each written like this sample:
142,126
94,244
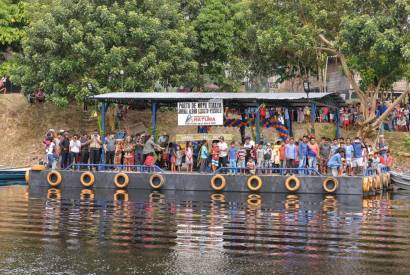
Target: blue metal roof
245,99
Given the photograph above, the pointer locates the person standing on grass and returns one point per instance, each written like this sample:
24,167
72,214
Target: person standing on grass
189,156
233,157
75,146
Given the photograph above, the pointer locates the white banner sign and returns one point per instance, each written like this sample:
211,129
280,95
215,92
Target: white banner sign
201,113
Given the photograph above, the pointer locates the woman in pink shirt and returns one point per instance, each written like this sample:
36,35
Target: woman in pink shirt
189,156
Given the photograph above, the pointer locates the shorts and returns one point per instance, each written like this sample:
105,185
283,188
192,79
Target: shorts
357,162
323,162
215,162
349,162
241,163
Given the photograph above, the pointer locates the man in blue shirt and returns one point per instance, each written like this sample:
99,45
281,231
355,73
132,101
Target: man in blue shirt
290,154
349,151
335,163
303,151
357,162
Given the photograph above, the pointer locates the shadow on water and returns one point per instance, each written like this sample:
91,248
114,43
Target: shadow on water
119,231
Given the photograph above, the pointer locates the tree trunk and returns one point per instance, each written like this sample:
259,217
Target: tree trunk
368,129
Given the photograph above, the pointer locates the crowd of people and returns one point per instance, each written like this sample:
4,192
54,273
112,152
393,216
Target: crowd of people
397,120
303,156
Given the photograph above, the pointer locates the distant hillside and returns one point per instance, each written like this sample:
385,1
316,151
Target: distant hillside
23,126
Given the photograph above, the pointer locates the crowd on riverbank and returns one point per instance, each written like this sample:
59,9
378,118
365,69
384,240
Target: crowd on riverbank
397,120
306,155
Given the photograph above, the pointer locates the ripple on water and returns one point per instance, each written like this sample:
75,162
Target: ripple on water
82,231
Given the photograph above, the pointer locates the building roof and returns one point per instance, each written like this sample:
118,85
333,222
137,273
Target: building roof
142,99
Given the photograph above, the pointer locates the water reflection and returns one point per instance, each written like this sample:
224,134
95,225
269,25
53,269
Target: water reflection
172,232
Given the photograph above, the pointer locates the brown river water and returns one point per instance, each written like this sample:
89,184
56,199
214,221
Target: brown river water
49,231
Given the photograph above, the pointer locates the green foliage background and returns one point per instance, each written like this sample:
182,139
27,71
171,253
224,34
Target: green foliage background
64,45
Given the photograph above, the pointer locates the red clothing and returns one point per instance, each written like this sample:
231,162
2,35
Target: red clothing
149,161
215,152
282,153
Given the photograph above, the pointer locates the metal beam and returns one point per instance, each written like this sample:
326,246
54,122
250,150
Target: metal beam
154,120
103,132
258,123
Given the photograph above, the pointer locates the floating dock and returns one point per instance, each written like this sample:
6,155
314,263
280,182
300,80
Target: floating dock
261,183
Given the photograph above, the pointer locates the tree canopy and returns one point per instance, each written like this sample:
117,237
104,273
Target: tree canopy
70,44
130,45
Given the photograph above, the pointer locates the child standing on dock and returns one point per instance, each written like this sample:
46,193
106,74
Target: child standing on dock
267,156
232,157
215,156
251,166
179,156
241,156
189,156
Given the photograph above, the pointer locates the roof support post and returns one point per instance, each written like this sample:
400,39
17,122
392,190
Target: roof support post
154,120
258,123
337,118
312,117
104,107
290,122
242,129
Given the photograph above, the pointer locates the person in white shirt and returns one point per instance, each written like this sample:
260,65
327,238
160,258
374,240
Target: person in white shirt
223,152
51,156
75,146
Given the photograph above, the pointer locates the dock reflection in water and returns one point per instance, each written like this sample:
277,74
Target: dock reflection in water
118,232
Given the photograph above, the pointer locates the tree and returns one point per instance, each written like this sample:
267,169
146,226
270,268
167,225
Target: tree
370,38
80,44
12,23
219,27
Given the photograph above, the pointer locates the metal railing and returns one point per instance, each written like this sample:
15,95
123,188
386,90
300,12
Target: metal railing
107,167
268,171
370,171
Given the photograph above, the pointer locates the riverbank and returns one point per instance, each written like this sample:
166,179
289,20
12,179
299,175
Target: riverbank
23,126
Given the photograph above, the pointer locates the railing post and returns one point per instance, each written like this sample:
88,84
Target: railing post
154,120
312,117
337,118
103,110
258,123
